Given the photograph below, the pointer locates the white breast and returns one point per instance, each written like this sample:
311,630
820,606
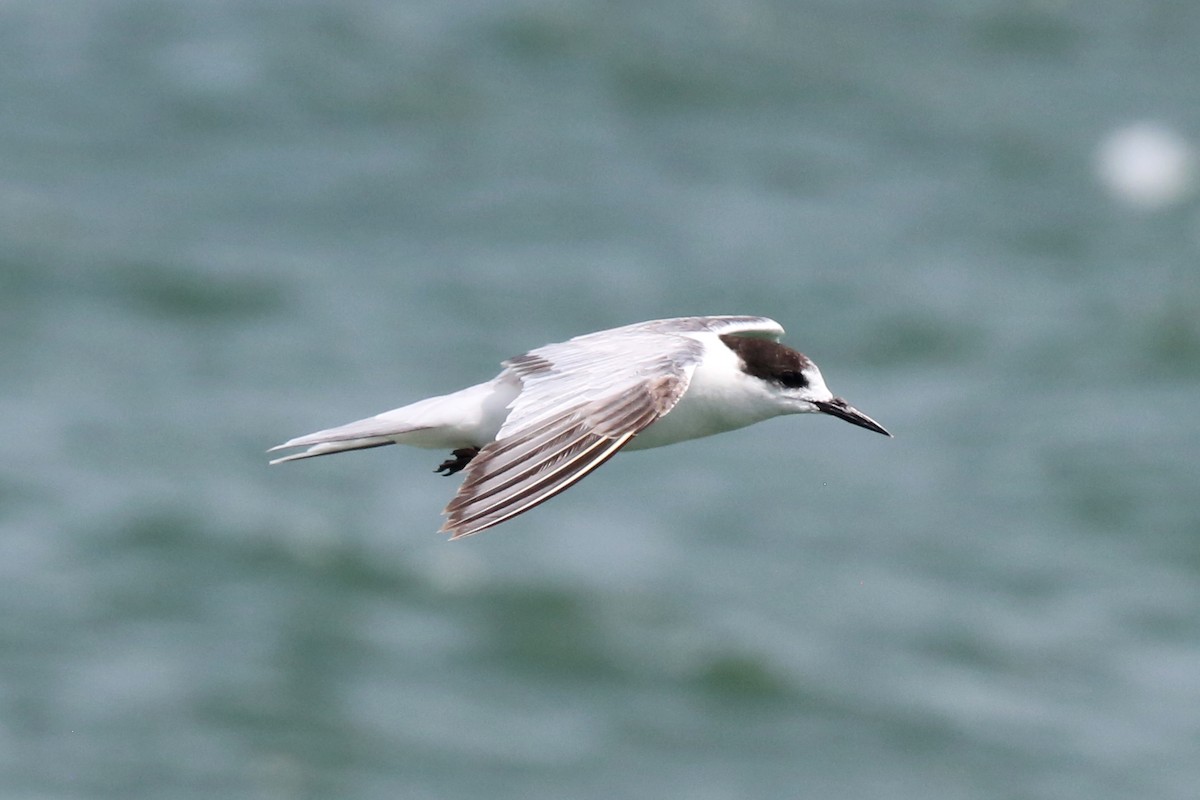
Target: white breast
719,398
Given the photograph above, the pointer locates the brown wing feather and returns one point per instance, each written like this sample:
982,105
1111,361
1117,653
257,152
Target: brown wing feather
512,475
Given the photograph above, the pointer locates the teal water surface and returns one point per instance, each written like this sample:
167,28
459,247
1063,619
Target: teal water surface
227,224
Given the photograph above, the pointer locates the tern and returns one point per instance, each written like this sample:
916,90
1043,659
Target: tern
558,412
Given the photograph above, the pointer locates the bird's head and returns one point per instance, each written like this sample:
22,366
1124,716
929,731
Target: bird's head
794,380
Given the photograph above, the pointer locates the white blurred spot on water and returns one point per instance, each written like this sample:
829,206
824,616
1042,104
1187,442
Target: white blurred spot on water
1147,165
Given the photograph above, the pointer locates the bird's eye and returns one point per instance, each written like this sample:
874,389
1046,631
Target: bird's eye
793,380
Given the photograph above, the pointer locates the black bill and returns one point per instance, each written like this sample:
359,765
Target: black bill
839,408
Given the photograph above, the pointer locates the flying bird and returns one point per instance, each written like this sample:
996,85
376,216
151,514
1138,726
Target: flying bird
559,411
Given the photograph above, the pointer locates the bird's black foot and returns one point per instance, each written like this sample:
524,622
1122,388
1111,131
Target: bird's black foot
462,457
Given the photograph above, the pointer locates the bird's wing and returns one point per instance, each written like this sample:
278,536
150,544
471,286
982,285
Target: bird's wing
581,401
754,327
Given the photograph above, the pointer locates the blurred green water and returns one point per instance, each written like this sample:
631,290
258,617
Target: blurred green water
225,225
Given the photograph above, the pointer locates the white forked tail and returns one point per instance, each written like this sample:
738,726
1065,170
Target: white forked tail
372,432
467,418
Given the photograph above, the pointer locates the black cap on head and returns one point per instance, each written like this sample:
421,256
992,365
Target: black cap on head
770,361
